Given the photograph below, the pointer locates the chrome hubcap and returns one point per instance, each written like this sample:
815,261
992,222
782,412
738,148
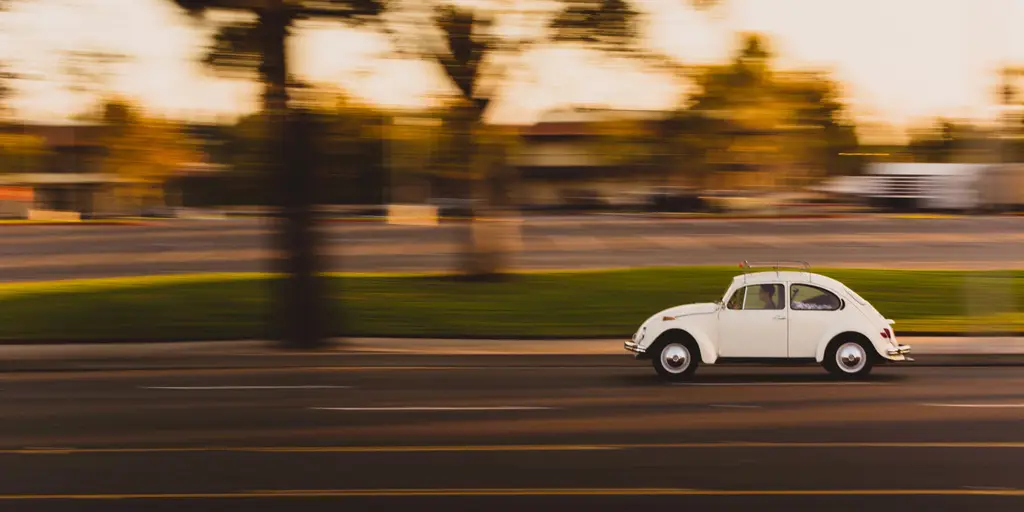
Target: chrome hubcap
851,357
675,358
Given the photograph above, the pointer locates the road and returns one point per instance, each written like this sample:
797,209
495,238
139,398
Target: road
61,252
376,433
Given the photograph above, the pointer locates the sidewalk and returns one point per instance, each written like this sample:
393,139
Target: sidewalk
262,354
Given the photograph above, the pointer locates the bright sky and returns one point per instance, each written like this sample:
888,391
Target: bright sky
901,61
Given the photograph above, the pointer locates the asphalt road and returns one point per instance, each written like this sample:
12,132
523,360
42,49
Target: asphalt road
446,435
62,252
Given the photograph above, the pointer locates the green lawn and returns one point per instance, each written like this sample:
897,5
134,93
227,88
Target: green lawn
577,304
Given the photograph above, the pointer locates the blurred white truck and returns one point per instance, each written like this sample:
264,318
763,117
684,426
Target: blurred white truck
943,187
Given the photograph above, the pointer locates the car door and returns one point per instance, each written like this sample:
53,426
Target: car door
753,323
813,311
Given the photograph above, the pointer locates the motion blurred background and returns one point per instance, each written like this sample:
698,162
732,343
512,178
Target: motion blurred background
479,138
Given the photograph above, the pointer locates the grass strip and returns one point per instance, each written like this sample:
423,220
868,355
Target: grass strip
582,304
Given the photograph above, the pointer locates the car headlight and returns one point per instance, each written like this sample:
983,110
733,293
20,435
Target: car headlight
639,336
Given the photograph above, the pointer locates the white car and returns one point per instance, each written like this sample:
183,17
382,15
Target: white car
777,316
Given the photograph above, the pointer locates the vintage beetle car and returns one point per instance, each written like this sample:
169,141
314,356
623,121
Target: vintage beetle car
776,316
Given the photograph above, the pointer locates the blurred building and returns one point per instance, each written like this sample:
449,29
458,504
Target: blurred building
66,178
70,178
588,156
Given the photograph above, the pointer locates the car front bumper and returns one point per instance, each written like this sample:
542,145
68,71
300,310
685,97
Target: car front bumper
635,348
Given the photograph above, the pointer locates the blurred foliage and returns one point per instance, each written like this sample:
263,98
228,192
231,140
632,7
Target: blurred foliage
348,143
6,90
5,76
241,46
936,143
600,304
468,50
747,115
20,153
951,141
143,151
90,71
946,140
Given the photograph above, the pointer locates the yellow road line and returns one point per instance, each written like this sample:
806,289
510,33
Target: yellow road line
349,493
508,448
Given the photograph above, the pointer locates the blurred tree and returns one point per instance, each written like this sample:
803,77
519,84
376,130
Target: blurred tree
475,40
350,136
1011,100
256,46
88,73
6,77
933,144
6,91
21,153
748,116
949,141
143,151
471,43
18,152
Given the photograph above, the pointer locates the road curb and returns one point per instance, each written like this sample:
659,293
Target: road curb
427,339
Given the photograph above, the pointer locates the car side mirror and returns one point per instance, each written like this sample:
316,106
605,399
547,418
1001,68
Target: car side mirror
842,304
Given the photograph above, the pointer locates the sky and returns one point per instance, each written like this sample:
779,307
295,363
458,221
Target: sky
901,61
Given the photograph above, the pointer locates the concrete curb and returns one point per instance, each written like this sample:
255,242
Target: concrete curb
427,340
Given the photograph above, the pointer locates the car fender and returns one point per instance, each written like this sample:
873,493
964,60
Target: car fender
819,354
691,326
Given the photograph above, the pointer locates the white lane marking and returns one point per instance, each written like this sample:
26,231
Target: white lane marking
711,384
735,406
212,388
977,406
414,408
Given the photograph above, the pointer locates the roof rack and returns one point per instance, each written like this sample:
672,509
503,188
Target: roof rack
776,265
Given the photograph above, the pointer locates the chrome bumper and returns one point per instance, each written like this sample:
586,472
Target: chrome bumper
901,350
635,348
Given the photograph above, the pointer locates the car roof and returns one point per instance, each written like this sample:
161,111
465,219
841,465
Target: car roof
788,276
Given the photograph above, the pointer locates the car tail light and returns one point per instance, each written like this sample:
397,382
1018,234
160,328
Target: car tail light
886,333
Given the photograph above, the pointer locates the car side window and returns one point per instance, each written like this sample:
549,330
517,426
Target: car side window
736,301
807,297
758,297
765,296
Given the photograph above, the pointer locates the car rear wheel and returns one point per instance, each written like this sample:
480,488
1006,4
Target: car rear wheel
676,360
848,358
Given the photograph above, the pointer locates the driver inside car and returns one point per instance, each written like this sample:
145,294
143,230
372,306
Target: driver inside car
767,295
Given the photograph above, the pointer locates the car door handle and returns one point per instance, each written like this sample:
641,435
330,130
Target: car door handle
780,317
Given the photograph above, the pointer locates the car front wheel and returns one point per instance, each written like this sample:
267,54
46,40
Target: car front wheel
676,361
848,358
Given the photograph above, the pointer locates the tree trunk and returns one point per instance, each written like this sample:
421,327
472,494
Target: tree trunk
297,297
493,233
